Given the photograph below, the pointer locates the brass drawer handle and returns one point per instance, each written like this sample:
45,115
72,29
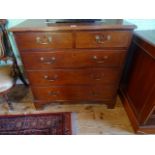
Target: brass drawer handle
46,77
53,93
44,40
100,61
48,62
97,78
100,39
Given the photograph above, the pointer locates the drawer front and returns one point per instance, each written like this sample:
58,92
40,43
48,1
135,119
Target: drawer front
41,40
81,93
49,60
101,39
73,77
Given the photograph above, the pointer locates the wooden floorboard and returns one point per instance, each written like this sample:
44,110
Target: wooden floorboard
91,119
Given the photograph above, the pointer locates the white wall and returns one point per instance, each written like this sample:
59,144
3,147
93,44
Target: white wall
143,24
13,22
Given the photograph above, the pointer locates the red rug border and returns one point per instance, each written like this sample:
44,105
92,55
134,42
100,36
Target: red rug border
32,114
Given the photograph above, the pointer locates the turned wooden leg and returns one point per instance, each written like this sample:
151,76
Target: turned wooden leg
8,102
23,79
21,76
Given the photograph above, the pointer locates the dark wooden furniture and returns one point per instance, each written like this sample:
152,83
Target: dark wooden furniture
138,83
73,62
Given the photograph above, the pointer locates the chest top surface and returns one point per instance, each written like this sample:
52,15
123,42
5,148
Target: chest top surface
44,25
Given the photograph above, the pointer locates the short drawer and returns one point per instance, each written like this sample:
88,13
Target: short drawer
41,40
101,39
81,93
72,59
74,77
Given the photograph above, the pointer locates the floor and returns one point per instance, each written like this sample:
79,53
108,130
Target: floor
91,119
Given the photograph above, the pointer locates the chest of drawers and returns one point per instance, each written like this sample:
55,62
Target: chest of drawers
73,63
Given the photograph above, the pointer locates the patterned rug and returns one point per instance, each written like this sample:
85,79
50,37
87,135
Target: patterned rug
36,124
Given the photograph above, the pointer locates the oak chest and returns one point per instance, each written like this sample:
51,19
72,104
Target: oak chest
73,62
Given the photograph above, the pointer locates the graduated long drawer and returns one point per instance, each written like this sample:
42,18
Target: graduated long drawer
78,93
72,59
91,76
